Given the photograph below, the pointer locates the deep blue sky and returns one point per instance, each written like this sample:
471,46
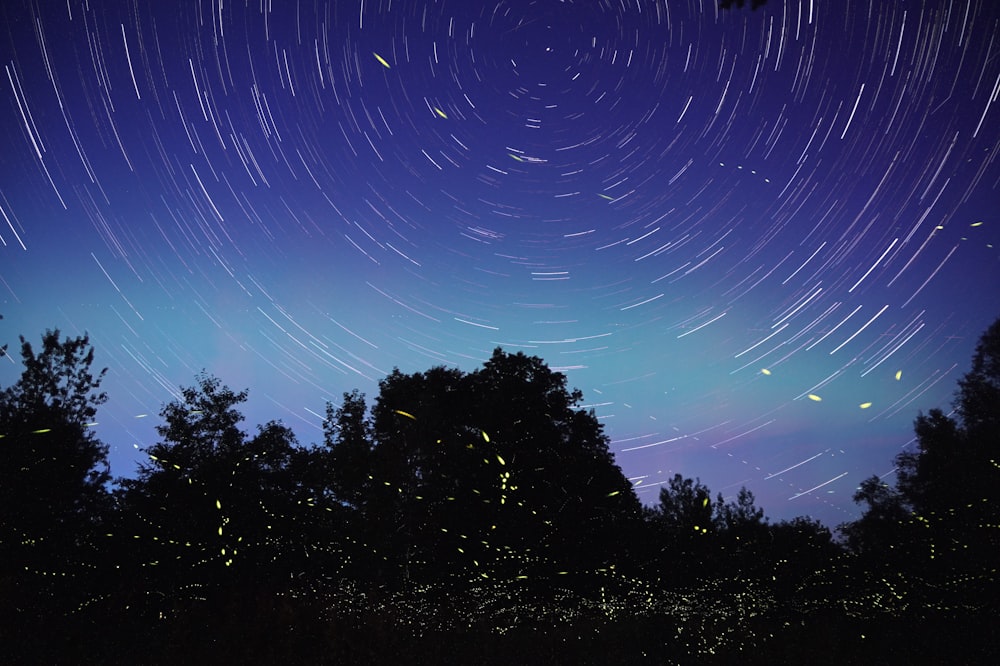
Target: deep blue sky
702,217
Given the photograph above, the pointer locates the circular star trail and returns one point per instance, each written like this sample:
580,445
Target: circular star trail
759,241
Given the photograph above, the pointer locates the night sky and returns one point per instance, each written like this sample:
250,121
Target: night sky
758,241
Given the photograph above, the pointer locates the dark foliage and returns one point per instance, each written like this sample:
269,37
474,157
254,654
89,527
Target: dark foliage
731,4
933,538
466,518
52,496
217,513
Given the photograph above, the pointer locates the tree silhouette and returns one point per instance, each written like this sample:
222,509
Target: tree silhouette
685,507
561,470
951,482
740,517
932,539
800,548
493,473
730,4
347,436
953,475
52,496
881,526
947,491
474,517
216,513
683,523
742,535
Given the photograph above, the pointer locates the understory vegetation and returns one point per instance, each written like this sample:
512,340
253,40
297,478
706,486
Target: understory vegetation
467,518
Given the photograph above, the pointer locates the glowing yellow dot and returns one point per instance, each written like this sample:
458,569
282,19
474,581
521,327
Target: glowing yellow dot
382,60
865,405
765,371
815,398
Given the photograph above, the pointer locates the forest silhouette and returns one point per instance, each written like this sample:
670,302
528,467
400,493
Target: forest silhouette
467,517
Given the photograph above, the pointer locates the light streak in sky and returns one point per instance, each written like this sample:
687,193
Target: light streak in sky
930,277
858,332
798,464
515,167
746,432
877,262
757,344
698,328
825,483
827,334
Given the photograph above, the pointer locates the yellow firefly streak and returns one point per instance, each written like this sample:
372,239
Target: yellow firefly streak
381,60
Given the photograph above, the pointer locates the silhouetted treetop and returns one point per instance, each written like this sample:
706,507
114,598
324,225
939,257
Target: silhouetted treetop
494,465
467,516
939,521
730,4
978,400
52,497
51,463
223,505
954,473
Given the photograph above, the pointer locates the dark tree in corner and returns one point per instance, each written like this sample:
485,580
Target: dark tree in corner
935,536
948,488
952,481
53,471
730,4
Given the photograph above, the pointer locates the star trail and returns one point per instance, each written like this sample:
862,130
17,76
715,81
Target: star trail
759,241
